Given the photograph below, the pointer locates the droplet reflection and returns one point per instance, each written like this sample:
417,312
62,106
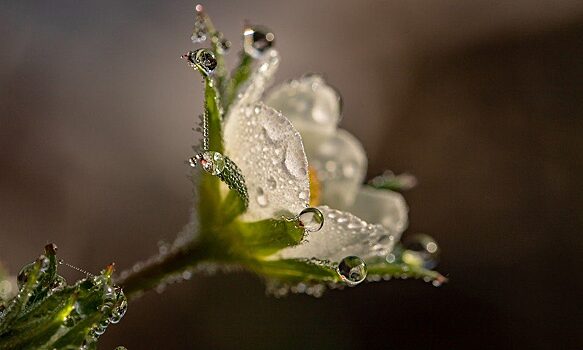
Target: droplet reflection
311,219
352,270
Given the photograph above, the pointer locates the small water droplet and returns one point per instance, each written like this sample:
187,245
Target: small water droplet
421,250
261,197
352,270
311,219
271,182
257,40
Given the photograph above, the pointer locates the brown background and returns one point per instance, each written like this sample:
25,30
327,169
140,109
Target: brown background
480,99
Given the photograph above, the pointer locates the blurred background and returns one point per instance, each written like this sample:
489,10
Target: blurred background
480,99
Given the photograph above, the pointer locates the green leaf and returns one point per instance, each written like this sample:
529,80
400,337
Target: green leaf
46,309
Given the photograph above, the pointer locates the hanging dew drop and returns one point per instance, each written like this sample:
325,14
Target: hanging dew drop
257,40
352,270
311,219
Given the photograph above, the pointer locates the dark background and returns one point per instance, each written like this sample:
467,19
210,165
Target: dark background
481,100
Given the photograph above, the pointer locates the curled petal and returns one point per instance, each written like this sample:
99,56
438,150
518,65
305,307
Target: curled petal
343,234
308,102
270,154
385,207
340,164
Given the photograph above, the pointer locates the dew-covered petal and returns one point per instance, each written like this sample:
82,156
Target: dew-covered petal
343,234
340,164
308,102
270,154
384,207
259,81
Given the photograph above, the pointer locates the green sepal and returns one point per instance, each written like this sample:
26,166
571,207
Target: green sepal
293,271
233,205
239,76
389,181
214,113
384,270
265,237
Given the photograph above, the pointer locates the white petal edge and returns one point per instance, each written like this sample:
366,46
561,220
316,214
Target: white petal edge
340,164
343,234
270,154
309,102
384,207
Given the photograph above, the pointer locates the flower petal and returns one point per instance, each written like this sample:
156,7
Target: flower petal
270,154
340,164
308,102
343,234
384,207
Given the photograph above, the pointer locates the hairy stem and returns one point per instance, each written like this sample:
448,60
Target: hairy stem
157,270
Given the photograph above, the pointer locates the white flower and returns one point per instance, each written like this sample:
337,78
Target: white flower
268,149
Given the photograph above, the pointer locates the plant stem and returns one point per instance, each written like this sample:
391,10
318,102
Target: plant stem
158,269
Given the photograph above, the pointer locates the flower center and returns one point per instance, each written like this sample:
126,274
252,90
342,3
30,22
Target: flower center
315,187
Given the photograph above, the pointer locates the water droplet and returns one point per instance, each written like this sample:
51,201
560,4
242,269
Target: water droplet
352,270
271,182
421,250
212,162
261,197
311,219
120,309
257,40
303,195
203,60
224,45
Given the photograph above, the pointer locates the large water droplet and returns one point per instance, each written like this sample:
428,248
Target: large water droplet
202,59
421,250
311,219
257,40
261,197
212,162
352,270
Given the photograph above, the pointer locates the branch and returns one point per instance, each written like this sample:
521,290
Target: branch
145,276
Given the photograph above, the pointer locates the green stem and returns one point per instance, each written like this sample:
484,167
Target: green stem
156,272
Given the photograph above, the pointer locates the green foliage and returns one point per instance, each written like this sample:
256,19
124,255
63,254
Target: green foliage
47,313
